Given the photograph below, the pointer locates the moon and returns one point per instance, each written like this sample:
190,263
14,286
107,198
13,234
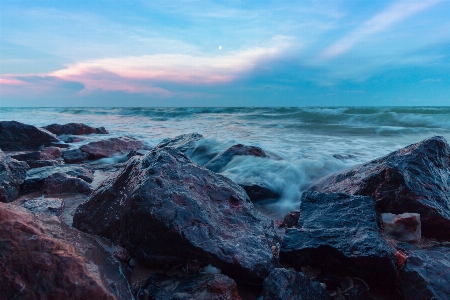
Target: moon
220,47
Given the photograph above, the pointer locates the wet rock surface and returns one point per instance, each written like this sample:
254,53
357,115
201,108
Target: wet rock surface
340,232
43,163
282,284
201,286
184,142
259,191
111,147
426,274
12,176
53,206
41,258
16,136
74,156
75,129
403,227
414,179
165,209
36,177
62,183
223,158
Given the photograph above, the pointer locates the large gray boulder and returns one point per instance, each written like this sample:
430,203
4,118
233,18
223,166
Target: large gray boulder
165,210
415,179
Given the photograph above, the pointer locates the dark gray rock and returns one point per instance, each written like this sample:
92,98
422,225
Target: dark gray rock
223,158
426,274
201,286
184,142
259,191
15,136
164,209
43,163
12,175
291,219
35,178
74,156
75,129
340,232
53,206
415,179
62,183
111,147
29,156
282,284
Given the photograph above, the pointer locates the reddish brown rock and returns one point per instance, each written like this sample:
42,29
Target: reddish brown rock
414,179
15,136
111,147
75,129
164,209
202,286
45,259
291,219
50,153
12,175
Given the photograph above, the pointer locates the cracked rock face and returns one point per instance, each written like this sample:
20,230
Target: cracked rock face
165,210
414,179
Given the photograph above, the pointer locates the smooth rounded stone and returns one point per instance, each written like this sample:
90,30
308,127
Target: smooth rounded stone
42,258
61,183
15,136
403,227
259,191
12,176
426,274
35,178
282,284
201,286
111,147
75,129
74,156
164,209
53,206
340,233
414,179
184,143
223,158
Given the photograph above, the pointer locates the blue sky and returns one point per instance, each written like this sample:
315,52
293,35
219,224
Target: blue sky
224,53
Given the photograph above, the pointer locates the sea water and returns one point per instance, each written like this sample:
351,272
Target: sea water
302,143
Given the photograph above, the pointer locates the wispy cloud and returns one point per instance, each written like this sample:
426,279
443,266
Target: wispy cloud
392,15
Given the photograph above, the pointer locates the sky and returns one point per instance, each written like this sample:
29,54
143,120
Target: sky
224,53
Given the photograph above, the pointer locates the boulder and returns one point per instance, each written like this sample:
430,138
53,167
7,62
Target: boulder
165,210
282,284
74,156
49,156
75,129
12,175
111,147
15,136
42,258
415,179
201,286
62,183
340,232
403,227
35,178
43,163
259,191
28,156
223,158
426,274
53,206
184,143
291,219
50,153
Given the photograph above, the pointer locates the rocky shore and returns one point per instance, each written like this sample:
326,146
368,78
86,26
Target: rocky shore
161,224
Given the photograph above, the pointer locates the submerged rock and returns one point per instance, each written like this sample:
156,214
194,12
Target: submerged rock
62,183
15,136
340,232
259,191
201,286
35,178
426,274
223,158
284,284
42,258
75,129
53,206
165,210
12,175
414,179
111,147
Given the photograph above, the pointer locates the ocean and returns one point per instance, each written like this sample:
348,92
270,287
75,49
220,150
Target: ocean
303,143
